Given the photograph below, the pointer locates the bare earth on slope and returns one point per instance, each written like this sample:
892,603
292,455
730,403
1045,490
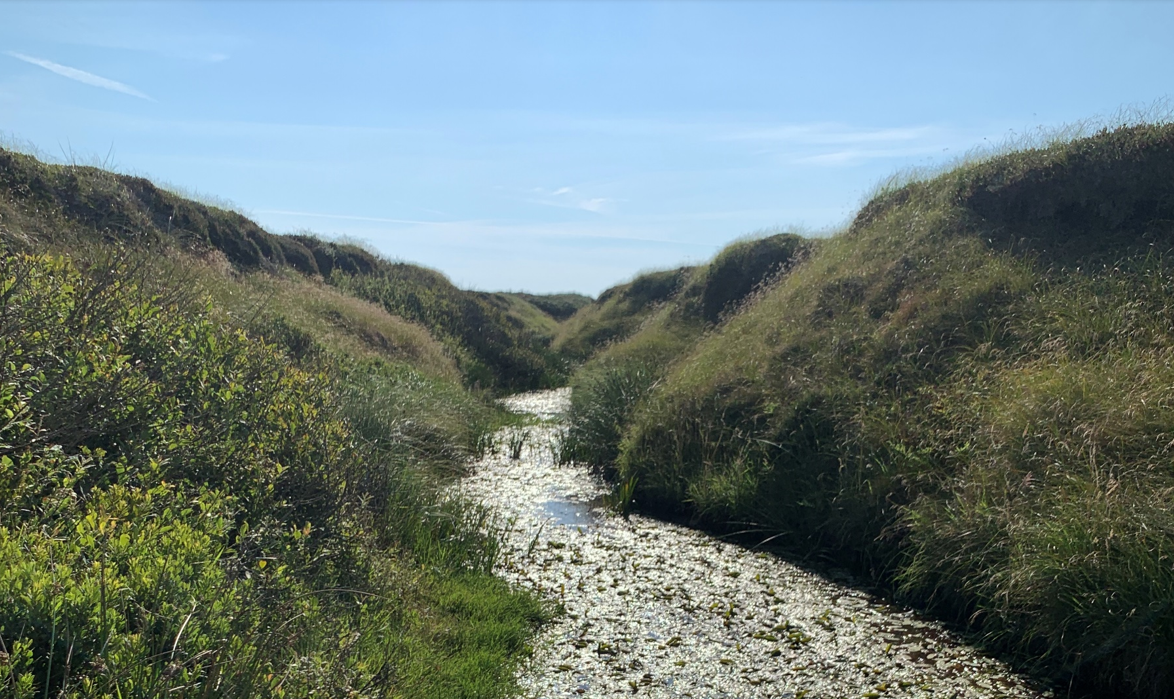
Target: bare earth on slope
661,610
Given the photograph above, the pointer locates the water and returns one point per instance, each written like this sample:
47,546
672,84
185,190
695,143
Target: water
656,609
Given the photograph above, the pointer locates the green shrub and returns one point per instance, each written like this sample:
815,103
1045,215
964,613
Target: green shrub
186,511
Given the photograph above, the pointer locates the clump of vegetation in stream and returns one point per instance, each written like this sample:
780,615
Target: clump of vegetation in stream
187,509
964,394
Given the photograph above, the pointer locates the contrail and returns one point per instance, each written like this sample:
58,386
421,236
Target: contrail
81,76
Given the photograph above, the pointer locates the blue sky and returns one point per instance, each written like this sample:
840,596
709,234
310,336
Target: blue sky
558,146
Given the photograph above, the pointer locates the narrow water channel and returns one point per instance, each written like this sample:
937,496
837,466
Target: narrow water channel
656,609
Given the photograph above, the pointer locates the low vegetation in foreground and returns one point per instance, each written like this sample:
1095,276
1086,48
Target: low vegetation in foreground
221,474
966,395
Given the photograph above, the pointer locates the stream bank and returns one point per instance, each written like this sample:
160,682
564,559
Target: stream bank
657,609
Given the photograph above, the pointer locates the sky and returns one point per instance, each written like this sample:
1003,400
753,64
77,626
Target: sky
550,147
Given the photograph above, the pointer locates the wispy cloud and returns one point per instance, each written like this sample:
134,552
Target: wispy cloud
851,156
560,199
346,217
833,134
597,205
81,76
837,144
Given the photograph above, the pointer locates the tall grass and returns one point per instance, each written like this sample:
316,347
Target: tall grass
964,395
609,387
491,351
617,312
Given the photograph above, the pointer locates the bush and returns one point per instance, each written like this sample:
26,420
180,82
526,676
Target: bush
183,509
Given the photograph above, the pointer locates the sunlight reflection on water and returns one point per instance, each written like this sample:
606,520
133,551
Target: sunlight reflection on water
656,609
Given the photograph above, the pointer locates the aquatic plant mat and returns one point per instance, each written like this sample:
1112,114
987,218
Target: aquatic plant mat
656,609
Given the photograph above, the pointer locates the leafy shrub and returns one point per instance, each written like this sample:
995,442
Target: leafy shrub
183,510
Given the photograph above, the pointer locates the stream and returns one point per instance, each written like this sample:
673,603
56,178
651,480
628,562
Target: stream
656,609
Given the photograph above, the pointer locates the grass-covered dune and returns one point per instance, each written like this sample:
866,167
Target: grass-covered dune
557,306
220,478
694,296
607,387
42,201
617,313
966,394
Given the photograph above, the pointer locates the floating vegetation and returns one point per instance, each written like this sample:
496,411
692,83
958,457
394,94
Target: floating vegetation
655,609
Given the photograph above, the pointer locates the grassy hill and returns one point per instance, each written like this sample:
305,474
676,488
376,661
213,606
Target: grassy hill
220,473
617,312
965,395
697,295
41,202
557,306
611,383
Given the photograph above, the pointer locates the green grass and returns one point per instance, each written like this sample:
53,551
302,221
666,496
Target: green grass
608,388
492,350
963,395
480,627
617,313
557,306
524,315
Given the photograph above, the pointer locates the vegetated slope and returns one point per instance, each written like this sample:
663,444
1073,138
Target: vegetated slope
699,295
557,306
967,394
524,315
41,202
609,385
223,479
185,508
617,312
492,350
539,315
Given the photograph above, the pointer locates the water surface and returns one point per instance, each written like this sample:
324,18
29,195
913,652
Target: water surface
656,609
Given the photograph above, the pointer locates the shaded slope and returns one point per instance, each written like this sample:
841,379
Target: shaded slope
617,312
557,306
